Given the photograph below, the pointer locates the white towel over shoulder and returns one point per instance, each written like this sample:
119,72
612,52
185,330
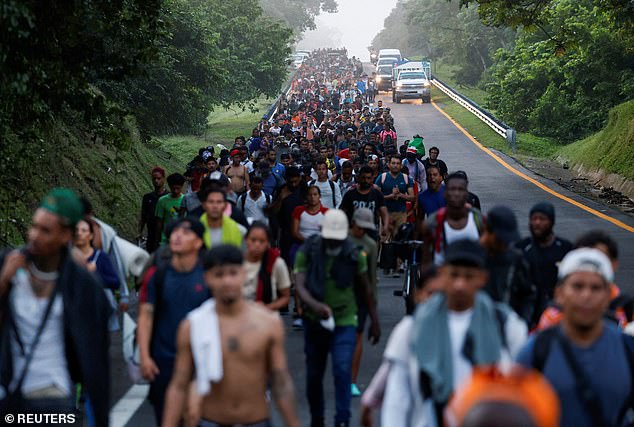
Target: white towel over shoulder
206,345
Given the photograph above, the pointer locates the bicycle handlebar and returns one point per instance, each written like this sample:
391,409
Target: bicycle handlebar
411,242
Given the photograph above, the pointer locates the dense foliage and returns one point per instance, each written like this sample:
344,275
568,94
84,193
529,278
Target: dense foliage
298,14
550,67
102,65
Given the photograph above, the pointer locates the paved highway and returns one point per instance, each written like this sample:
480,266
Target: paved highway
493,183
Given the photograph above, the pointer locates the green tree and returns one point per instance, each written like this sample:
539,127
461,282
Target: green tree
567,93
298,14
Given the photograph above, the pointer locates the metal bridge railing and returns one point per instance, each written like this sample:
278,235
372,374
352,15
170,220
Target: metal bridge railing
498,126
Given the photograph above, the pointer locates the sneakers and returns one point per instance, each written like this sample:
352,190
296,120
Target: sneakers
354,390
298,324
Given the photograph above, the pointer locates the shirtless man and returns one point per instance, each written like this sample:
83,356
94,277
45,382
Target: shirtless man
238,173
253,354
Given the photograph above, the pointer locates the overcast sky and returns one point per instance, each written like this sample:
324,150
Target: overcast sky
353,27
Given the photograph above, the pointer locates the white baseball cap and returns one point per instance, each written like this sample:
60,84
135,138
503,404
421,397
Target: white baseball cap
335,225
586,259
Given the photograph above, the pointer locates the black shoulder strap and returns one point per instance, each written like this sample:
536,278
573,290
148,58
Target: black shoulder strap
541,348
332,190
243,200
36,339
585,391
628,346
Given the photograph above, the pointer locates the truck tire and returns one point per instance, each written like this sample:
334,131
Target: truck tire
429,99
398,100
393,96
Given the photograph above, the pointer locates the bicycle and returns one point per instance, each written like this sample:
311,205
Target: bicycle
412,272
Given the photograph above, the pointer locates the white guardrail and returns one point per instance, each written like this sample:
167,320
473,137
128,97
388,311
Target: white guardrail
498,126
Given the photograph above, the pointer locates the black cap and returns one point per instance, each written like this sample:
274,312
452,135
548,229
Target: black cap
544,208
465,252
191,223
501,222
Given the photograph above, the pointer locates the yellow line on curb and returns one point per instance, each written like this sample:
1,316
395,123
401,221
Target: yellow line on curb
533,181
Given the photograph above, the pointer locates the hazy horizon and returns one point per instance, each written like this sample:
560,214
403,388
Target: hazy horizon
353,26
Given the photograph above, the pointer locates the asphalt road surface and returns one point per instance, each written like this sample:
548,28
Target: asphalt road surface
493,183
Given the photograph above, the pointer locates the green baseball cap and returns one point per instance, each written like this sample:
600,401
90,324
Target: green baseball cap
64,203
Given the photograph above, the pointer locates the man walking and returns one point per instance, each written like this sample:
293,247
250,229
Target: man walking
455,222
168,206
588,363
330,192
397,189
433,160
54,319
219,228
330,271
235,350
462,327
543,250
170,290
364,195
432,199
508,270
148,209
362,223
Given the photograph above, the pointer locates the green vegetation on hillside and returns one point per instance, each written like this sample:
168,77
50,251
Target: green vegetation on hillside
612,148
112,179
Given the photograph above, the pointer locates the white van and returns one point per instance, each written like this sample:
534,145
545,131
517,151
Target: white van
390,53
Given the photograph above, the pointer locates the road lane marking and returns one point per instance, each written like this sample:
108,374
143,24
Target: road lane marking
126,407
533,181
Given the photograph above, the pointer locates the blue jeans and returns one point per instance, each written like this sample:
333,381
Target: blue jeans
318,342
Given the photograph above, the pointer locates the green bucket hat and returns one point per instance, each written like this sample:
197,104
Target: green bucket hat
64,203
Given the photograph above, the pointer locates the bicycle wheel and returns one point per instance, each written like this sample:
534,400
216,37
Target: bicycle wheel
412,277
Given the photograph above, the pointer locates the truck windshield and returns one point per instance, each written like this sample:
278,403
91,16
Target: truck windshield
411,76
385,70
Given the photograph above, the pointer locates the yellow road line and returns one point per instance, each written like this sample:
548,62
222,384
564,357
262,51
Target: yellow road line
533,181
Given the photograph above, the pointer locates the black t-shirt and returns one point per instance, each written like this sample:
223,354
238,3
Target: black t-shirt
353,200
439,163
148,208
543,264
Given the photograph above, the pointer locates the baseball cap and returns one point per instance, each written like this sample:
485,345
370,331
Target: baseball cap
335,225
465,252
64,203
234,152
189,223
586,259
502,222
411,150
364,218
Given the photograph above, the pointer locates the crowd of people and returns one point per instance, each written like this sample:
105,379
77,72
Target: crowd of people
297,220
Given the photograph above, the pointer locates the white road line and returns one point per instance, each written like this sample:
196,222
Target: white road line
125,408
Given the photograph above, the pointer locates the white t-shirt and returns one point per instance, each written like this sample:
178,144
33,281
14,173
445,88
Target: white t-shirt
48,366
326,193
309,224
458,325
280,278
254,209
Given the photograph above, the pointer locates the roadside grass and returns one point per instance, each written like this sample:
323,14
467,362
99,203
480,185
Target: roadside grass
445,73
112,179
223,126
526,145
612,148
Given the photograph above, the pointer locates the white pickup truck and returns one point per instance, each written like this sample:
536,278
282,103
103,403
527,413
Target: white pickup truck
411,80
